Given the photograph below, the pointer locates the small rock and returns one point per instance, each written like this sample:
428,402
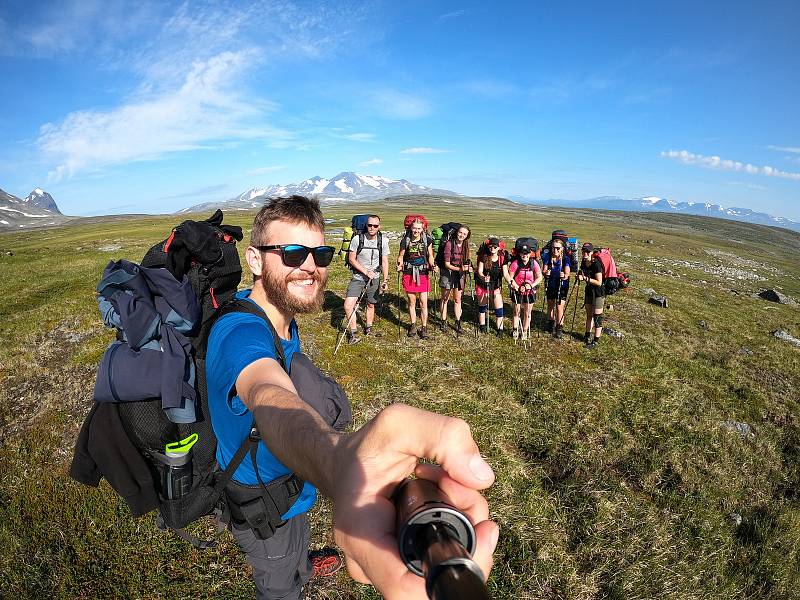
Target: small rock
614,333
786,337
703,325
747,351
774,296
110,248
736,518
648,291
9,253
659,301
742,429
628,254
649,242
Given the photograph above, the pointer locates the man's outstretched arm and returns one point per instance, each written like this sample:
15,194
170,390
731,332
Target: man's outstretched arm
359,472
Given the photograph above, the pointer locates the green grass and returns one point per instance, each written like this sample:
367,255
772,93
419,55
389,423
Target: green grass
616,474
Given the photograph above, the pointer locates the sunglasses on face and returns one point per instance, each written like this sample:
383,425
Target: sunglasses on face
373,224
294,255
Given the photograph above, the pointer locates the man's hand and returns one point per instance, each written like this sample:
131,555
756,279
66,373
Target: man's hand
370,274
385,285
371,462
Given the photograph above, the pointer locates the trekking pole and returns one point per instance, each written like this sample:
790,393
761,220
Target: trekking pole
475,304
350,318
399,314
575,310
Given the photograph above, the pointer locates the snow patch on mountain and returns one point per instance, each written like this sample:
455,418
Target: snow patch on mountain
343,187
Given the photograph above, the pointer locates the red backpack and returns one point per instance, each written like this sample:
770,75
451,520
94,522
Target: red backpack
612,280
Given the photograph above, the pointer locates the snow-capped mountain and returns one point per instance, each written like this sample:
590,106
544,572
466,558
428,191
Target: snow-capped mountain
657,204
42,199
344,186
18,214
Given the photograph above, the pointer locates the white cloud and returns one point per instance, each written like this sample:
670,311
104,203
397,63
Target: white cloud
452,15
262,170
717,163
359,137
399,105
370,162
206,110
424,150
791,149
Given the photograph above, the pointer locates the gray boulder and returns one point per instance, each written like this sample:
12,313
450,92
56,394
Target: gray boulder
659,301
786,337
774,296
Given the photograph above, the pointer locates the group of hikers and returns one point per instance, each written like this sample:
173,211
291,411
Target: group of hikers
442,259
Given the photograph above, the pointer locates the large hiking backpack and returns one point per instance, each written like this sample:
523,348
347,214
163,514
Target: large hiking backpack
570,248
408,221
483,250
448,234
531,243
612,279
362,236
188,483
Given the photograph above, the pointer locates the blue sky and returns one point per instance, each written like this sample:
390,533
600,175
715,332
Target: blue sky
143,106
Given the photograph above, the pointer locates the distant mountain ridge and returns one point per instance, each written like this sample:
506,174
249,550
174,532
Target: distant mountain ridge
37,209
657,204
344,186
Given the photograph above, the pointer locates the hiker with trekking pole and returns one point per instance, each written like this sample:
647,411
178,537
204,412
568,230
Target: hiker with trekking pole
556,268
591,271
453,265
416,263
491,258
368,259
523,276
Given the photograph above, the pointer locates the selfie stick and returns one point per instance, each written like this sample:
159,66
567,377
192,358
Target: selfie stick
436,541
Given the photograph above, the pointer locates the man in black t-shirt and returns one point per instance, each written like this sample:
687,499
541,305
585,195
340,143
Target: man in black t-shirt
591,271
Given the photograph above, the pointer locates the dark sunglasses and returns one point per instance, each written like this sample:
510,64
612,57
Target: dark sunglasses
294,255
373,224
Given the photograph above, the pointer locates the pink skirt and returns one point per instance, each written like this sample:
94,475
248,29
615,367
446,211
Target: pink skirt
409,286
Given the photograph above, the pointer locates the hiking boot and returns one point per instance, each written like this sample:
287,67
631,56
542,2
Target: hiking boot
550,325
485,328
587,337
459,328
591,345
558,332
369,332
500,332
412,331
325,562
352,338
525,335
443,326
423,332
515,333
367,329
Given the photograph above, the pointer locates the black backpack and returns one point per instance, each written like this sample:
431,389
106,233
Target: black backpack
449,231
186,490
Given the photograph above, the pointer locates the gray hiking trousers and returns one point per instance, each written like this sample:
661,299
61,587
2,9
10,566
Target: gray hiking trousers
280,564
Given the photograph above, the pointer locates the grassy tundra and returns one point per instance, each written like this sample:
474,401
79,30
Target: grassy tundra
663,464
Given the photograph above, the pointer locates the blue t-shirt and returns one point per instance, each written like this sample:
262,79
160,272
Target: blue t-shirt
236,340
556,268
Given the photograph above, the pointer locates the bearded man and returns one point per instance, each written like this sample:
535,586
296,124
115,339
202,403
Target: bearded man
248,385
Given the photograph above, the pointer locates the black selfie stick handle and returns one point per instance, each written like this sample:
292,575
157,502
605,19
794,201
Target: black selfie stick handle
436,541
450,573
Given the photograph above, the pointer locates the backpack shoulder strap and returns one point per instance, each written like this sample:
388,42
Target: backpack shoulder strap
240,305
